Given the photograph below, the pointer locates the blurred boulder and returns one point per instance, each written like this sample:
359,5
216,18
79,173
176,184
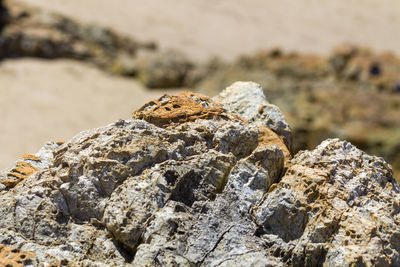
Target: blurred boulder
164,69
32,32
4,16
363,66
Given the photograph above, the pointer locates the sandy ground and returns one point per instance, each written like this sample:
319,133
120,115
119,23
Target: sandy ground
204,28
54,100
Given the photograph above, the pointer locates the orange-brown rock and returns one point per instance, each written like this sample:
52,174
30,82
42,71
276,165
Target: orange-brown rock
12,257
185,107
268,137
24,169
30,157
21,171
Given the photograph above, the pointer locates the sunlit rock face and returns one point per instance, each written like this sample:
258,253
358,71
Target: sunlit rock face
195,181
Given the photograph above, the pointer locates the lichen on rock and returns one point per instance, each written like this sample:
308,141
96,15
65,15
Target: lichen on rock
27,165
12,257
181,108
195,181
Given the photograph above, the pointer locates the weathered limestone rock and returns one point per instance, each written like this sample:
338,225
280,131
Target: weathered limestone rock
336,206
248,101
353,94
27,165
191,181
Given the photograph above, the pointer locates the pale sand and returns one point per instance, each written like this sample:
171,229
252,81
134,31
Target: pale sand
54,100
204,28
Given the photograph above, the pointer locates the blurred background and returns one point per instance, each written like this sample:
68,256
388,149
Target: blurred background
331,66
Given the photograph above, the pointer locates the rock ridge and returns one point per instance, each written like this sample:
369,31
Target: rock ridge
195,181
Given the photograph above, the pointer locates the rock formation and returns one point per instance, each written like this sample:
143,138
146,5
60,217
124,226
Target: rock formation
353,94
365,84
195,181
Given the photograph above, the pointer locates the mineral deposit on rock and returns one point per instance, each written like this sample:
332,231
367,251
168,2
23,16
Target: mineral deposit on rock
194,181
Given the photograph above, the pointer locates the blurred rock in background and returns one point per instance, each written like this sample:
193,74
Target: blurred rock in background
33,32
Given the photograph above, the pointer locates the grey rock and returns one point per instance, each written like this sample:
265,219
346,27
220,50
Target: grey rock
336,206
247,99
203,192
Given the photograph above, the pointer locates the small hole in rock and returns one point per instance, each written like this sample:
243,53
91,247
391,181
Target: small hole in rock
179,208
171,177
259,232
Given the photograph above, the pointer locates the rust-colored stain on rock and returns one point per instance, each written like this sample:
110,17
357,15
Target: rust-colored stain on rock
268,137
14,257
20,172
185,107
30,157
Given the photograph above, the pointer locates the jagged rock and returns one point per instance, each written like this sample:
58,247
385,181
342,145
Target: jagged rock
353,94
247,99
336,206
192,181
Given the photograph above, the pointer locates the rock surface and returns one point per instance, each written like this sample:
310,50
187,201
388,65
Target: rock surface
353,94
27,165
13,257
194,181
247,99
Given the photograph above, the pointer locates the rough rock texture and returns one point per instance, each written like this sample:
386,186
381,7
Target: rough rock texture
12,257
208,188
353,94
336,206
247,99
184,107
27,165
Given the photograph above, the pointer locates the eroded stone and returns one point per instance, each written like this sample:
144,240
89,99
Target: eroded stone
197,185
